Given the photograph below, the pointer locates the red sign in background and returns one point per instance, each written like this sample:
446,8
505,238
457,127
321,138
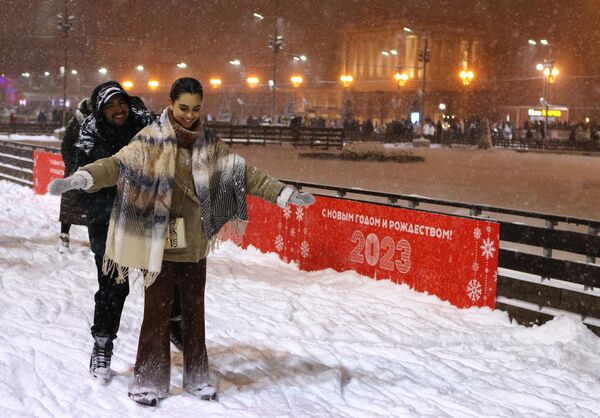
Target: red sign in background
453,258
46,167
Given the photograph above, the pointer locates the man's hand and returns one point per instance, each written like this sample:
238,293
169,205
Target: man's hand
76,181
301,198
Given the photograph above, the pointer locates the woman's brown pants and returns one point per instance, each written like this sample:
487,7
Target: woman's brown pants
152,371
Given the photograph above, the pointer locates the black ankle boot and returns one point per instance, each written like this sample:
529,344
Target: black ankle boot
100,359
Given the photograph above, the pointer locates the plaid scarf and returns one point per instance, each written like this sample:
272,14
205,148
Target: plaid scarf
140,215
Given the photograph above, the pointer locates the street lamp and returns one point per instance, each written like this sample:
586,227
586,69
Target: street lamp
401,78
252,81
140,68
215,83
466,76
127,84
65,25
102,70
346,80
296,80
153,84
424,57
549,74
182,65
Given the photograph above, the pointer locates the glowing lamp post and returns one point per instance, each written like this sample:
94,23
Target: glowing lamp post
252,81
401,78
346,80
153,84
466,76
550,72
215,83
127,84
296,80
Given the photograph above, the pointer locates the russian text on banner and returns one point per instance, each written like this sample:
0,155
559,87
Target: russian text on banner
451,257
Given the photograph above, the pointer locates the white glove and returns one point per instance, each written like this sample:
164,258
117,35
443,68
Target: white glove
289,195
79,180
301,198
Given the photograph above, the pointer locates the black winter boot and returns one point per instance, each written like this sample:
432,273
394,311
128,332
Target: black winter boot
100,359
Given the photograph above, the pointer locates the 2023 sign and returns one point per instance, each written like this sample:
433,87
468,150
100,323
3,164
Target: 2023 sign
370,249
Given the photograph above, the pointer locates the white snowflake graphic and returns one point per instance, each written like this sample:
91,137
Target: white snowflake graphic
279,242
477,233
293,232
474,290
304,249
299,213
475,266
487,248
287,212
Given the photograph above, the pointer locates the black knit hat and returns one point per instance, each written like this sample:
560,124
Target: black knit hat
104,92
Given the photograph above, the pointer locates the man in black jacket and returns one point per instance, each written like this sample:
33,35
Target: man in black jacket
115,119
70,210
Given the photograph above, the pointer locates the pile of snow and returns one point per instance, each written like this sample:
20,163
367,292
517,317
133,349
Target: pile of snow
281,342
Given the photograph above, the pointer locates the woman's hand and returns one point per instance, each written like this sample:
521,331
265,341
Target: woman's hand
79,180
301,199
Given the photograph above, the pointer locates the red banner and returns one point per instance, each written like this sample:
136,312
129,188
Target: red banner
453,258
46,167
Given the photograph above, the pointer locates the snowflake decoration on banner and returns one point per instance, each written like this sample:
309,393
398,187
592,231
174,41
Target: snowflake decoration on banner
279,242
474,290
299,213
488,228
287,212
293,232
477,233
475,266
304,249
487,248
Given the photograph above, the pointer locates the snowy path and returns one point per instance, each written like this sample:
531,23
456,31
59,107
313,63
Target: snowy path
281,342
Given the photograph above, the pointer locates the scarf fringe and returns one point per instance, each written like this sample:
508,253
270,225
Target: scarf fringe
109,267
235,227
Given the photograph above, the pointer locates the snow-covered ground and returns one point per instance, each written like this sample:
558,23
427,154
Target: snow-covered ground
23,137
281,342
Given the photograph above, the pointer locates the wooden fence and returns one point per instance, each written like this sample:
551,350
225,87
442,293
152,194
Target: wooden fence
312,137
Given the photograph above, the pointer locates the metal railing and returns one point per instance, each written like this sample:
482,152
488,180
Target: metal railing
534,285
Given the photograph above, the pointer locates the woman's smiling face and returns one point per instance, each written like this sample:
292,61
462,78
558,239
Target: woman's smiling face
186,109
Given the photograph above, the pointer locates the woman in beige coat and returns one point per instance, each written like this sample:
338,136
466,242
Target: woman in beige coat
180,189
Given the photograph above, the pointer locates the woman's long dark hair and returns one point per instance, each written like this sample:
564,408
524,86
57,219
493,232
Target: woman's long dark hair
185,85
